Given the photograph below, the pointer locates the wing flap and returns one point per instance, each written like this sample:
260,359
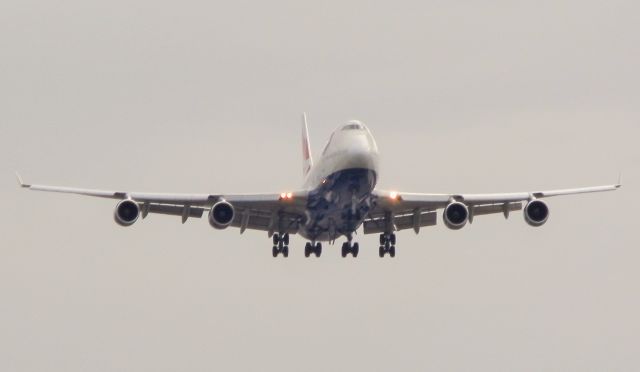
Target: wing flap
266,220
402,221
480,210
173,210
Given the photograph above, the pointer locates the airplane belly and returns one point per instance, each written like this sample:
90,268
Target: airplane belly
339,205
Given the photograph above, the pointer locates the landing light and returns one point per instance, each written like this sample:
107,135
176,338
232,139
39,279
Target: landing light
286,196
393,195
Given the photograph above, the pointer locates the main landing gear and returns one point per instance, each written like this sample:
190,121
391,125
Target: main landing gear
387,245
347,248
281,245
310,248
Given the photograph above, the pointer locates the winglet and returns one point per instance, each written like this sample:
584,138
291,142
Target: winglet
20,181
619,184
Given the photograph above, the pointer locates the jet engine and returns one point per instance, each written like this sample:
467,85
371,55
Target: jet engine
221,215
126,213
536,213
456,215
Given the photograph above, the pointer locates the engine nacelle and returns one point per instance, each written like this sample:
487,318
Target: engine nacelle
536,213
126,213
221,215
455,215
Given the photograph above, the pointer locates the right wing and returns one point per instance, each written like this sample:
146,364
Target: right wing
399,211
268,212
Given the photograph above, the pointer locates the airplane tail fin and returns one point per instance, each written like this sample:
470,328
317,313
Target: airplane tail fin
307,160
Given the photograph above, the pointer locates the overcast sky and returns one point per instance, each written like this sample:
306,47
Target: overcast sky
202,96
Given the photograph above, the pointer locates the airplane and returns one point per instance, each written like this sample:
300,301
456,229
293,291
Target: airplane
338,197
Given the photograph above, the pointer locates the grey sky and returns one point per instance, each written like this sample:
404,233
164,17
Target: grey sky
200,96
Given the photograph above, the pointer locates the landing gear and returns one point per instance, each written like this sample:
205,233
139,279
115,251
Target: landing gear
387,245
277,250
280,245
281,238
347,248
312,249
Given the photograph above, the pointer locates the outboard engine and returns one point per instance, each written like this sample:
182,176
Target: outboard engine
536,213
221,215
455,215
126,213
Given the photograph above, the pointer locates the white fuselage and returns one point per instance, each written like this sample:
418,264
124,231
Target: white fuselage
347,148
340,184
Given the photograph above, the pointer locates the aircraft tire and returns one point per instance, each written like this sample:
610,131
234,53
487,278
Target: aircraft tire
307,249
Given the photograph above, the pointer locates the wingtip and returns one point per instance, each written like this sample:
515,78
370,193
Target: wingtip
20,181
619,184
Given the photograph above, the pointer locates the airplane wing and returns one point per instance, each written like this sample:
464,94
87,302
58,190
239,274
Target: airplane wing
270,212
398,211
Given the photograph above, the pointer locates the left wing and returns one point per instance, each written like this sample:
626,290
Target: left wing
397,210
268,212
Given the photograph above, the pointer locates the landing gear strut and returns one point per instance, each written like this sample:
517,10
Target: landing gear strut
280,245
311,248
387,245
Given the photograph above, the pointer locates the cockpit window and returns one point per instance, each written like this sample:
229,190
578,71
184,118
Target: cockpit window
352,126
326,147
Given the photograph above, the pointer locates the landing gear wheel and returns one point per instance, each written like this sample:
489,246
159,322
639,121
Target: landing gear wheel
347,248
307,249
280,244
387,245
318,250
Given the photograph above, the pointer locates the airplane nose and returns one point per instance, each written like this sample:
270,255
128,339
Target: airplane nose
362,160
361,155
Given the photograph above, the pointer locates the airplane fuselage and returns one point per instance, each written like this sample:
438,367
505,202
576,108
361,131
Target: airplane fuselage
340,185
